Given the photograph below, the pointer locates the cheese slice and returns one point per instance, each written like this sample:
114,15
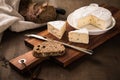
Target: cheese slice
57,28
79,36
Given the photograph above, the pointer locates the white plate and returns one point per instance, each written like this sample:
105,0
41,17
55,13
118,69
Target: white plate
92,30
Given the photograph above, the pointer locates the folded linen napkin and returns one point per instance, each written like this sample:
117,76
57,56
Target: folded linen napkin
10,18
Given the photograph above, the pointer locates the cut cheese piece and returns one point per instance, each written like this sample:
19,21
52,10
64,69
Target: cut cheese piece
57,28
84,21
79,36
92,14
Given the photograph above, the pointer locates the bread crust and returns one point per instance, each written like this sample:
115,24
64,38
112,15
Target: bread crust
37,12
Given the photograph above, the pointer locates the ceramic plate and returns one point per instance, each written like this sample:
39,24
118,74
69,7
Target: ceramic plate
92,29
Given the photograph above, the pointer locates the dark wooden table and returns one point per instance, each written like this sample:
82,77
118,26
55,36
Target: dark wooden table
103,65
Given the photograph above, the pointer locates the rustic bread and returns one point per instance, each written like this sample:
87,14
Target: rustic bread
39,12
50,48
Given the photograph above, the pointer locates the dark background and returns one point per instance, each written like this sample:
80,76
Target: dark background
103,65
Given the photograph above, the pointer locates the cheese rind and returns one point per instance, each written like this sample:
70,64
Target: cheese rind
102,18
79,36
57,28
92,14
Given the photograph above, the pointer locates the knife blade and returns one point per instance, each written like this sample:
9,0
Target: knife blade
90,52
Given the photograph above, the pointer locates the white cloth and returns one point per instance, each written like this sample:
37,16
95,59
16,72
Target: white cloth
10,18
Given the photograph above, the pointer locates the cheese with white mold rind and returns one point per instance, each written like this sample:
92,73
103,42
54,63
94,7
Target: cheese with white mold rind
57,28
102,18
79,36
92,14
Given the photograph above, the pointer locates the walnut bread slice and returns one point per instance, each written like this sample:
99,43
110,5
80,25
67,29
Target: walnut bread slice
50,48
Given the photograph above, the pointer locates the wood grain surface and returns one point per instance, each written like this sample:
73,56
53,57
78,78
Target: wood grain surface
30,62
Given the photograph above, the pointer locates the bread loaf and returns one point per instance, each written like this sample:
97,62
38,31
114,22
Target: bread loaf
38,12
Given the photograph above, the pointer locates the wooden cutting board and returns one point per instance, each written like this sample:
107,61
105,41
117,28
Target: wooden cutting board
71,54
95,40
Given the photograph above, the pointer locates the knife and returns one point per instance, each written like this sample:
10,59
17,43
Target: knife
90,52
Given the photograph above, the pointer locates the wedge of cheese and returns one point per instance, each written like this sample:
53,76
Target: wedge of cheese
79,36
57,28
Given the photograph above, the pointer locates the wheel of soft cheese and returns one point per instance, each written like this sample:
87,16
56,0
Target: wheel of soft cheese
92,14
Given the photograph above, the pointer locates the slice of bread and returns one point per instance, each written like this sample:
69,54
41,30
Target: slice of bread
50,48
